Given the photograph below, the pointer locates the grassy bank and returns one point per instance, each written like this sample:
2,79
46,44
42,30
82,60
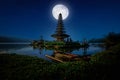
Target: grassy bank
102,66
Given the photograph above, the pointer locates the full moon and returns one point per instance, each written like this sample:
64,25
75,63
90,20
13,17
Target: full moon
59,8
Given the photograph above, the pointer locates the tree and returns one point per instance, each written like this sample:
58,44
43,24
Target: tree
112,39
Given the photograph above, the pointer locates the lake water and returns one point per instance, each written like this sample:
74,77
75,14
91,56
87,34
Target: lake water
26,49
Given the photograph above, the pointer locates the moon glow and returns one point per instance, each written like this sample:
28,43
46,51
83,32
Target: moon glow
59,8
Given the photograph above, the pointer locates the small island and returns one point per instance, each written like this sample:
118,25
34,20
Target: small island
62,45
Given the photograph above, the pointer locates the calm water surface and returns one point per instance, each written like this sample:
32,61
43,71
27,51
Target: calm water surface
26,49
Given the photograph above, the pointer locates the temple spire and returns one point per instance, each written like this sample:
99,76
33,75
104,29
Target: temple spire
60,33
60,18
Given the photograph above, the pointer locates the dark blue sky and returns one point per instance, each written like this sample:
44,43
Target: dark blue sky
30,19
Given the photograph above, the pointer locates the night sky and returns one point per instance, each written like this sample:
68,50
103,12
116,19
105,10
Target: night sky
29,19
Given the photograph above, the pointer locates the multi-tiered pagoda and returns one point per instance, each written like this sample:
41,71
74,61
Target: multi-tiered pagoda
60,33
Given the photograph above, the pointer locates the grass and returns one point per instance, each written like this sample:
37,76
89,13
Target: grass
102,66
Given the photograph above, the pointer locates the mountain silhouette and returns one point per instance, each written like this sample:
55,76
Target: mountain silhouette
12,39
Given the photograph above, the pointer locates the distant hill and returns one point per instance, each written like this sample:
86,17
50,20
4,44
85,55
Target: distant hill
12,39
111,37
100,40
